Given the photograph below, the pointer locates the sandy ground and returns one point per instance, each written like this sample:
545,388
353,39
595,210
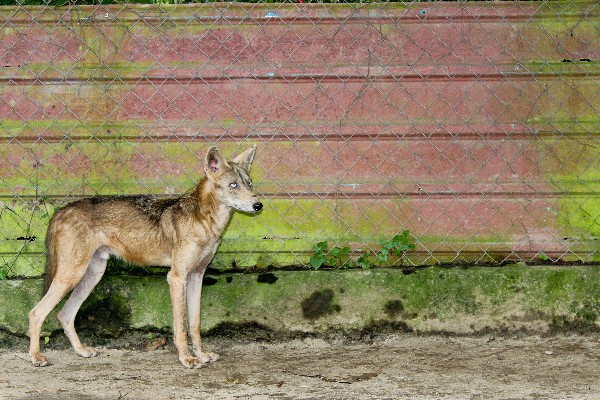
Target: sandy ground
394,367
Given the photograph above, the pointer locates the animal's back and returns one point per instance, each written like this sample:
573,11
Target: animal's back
135,228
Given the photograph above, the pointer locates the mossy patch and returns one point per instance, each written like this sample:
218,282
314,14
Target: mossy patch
453,300
570,169
581,215
568,103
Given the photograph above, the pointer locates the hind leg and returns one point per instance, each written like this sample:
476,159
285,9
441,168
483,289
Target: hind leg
66,316
38,314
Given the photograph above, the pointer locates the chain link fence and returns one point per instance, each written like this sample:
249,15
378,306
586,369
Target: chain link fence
475,126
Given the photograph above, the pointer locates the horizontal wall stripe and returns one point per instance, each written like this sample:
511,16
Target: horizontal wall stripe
301,77
301,13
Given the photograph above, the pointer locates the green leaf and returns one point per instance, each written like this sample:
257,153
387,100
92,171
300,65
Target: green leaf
363,261
382,257
542,256
317,260
321,247
401,248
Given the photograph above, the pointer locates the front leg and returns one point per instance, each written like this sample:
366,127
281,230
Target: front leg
194,296
177,287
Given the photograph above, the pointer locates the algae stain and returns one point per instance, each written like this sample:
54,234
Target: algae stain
583,321
267,278
319,304
209,281
379,327
393,308
569,169
106,316
582,214
248,330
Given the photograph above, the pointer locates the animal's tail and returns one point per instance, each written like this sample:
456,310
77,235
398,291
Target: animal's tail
50,258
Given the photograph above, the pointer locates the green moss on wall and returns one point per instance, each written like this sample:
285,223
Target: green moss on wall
454,300
571,168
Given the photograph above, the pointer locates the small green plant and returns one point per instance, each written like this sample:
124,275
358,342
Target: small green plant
341,257
364,260
541,256
320,255
336,257
397,246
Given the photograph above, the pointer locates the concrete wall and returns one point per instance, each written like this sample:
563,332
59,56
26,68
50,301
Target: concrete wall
509,299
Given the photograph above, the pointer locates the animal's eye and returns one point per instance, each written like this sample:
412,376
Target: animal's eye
233,184
249,183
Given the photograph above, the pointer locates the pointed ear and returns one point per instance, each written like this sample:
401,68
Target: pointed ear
245,159
214,162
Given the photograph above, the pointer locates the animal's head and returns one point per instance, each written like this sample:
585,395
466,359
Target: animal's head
233,185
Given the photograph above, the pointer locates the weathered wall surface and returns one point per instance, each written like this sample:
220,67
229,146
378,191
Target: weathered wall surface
512,299
474,125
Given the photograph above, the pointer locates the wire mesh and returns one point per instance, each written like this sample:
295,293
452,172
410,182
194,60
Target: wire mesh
473,125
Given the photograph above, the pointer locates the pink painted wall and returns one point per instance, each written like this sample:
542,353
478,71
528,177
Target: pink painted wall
473,125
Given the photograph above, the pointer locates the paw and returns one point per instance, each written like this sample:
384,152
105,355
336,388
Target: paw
86,352
205,356
39,360
191,362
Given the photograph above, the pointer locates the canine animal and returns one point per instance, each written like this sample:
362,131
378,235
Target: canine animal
183,233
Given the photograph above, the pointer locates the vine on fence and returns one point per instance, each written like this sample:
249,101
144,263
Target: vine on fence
341,257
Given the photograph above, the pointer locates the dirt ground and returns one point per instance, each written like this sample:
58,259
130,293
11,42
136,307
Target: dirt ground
391,367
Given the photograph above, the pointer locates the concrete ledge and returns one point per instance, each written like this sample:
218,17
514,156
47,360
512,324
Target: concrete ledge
453,300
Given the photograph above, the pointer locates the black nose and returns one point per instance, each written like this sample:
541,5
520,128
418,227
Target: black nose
257,206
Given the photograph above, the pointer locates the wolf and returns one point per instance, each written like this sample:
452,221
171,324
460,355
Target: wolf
183,233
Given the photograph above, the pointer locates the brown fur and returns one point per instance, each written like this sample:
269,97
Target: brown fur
182,232
50,264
